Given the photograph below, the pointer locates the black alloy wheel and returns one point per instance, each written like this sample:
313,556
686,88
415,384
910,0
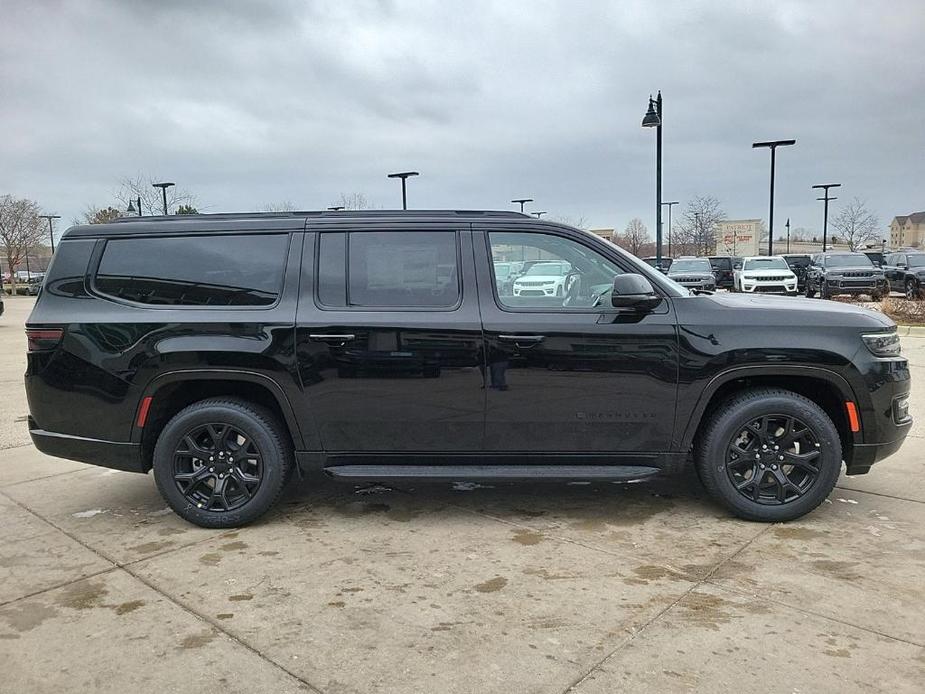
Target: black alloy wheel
222,462
912,291
217,467
768,454
773,459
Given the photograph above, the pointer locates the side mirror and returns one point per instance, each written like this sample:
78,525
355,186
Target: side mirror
635,292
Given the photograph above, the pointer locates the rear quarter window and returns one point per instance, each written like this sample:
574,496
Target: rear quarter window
213,270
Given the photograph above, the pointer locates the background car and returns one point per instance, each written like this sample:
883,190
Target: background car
693,273
766,274
844,273
905,272
798,263
542,279
666,262
724,269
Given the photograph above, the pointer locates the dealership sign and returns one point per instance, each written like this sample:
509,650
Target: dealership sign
738,237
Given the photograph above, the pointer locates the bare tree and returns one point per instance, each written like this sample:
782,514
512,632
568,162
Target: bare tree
578,221
696,233
281,206
856,224
352,201
20,230
152,202
100,215
635,236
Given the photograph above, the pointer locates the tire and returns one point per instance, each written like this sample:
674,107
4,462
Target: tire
720,472
876,296
560,291
810,293
823,291
912,292
250,431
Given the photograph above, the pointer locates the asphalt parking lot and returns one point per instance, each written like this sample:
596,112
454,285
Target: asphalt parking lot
453,588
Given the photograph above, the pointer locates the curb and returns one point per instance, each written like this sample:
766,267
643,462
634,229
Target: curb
910,330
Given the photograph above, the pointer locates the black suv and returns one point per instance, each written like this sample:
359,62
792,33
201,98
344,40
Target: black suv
905,272
724,267
798,263
227,351
844,273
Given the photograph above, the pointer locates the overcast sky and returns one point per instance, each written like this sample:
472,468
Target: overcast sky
244,104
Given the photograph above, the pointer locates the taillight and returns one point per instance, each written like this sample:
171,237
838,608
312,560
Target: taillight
43,339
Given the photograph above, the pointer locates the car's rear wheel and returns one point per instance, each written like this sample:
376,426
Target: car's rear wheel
769,455
222,462
912,291
810,292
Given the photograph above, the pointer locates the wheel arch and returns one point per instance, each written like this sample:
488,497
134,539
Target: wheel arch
826,388
174,390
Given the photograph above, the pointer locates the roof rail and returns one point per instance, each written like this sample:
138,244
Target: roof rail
325,213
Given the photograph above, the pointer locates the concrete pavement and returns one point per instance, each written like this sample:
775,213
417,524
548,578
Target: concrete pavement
453,588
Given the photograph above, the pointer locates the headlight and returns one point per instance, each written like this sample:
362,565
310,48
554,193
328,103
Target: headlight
883,344
751,277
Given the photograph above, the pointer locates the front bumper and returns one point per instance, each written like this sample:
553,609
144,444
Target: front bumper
759,287
853,286
544,290
111,454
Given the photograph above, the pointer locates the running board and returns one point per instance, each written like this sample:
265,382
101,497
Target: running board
457,472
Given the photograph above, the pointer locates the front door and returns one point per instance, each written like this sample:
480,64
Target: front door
389,340
566,371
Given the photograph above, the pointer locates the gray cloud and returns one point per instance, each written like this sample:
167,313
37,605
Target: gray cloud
245,103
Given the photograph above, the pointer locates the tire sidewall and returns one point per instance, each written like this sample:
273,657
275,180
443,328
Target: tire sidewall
734,419
258,430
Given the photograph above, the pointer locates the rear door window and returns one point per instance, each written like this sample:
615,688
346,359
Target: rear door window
213,270
388,269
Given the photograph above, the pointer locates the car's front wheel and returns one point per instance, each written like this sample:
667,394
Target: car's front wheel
912,291
222,462
769,455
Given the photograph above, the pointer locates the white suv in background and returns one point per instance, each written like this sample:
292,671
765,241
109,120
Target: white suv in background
766,274
543,279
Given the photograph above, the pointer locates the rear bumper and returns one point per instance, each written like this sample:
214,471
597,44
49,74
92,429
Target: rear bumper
111,454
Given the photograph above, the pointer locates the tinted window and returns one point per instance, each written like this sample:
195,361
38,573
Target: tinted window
848,260
691,265
916,261
556,272
332,269
403,269
214,270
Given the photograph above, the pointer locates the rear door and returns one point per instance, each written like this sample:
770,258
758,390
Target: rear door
570,374
389,340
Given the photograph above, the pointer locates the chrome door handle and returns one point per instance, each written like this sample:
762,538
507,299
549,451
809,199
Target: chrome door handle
332,339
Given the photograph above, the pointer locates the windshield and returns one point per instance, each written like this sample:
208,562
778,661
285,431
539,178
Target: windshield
554,269
765,264
915,261
692,265
846,260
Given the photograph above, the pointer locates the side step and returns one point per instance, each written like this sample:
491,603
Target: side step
457,472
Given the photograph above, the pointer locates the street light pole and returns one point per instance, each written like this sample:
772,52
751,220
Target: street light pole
522,201
670,205
163,186
788,234
653,119
51,231
404,175
131,205
825,209
772,145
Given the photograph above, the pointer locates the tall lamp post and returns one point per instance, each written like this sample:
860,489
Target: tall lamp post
825,209
163,186
522,201
51,231
772,145
788,233
653,119
670,205
404,176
